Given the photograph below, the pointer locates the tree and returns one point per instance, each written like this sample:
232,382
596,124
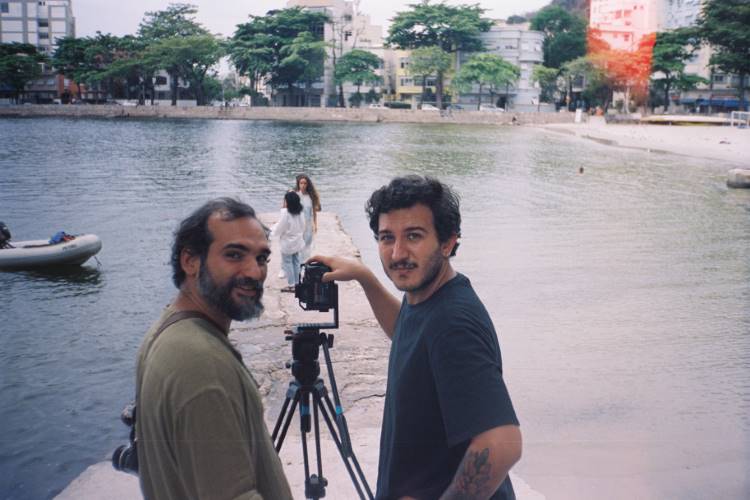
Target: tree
451,28
357,66
547,80
430,61
70,59
20,63
486,69
189,57
309,52
671,50
597,90
565,35
725,24
176,21
515,19
273,47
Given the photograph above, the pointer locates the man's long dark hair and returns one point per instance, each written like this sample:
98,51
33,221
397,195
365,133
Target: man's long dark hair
405,192
194,236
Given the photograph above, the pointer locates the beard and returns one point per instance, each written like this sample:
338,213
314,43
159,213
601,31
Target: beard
431,270
220,295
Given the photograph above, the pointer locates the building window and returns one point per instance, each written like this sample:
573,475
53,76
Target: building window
161,80
43,35
43,23
718,78
4,7
407,82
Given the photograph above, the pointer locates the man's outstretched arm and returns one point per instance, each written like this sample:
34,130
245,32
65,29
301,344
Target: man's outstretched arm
384,305
486,464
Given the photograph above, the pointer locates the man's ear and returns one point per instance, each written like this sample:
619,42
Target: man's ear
447,247
190,263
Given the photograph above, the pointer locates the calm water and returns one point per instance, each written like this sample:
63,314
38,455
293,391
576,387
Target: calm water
622,295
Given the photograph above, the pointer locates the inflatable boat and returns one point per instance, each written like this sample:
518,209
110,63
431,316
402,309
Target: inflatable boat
73,251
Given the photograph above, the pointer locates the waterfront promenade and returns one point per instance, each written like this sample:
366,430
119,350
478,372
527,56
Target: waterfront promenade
360,358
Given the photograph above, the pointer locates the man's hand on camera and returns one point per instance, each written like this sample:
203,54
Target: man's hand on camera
342,269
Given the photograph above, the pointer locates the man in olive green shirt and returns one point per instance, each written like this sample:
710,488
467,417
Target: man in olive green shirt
200,427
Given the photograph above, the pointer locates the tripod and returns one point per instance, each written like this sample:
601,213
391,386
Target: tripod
306,341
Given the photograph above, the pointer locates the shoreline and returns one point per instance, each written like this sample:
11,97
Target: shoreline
359,357
705,142
357,115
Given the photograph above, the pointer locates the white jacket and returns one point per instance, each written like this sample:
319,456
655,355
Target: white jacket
290,230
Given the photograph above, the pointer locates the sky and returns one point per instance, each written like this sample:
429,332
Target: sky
121,17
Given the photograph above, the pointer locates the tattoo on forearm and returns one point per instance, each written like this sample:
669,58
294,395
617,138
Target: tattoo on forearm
474,474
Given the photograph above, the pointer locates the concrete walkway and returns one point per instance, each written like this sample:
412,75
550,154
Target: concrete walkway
360,357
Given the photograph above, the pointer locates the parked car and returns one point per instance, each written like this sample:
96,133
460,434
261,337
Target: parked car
375,105
491,108
454,107
429,107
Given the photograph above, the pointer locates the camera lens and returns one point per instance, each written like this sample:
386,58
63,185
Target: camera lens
125,459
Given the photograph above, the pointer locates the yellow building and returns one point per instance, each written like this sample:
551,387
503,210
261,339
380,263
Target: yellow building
407,87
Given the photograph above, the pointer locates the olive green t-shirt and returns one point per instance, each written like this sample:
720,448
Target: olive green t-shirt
200,426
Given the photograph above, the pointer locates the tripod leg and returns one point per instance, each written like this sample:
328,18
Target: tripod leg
342,452
350,451
293,388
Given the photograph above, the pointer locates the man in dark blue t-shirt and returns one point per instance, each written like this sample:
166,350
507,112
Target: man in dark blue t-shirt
449,428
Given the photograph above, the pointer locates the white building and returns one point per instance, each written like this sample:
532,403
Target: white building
519,45
348,29
721,93
40,23
623,23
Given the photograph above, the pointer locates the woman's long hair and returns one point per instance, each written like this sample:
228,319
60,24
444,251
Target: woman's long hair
310,191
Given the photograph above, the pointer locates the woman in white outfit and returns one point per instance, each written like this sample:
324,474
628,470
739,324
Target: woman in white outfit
290,229
311,205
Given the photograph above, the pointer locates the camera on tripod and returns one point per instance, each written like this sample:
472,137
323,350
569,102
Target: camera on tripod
314,295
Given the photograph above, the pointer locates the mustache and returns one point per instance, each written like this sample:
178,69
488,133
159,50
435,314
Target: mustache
248,283
402,264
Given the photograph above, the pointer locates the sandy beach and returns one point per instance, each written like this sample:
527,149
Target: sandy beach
722,143
359,357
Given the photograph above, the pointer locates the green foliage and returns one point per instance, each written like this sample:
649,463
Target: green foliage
486,70
449,27
725,24
356,99
671,50
371,96
19,64
284,46
357,66
177,20
189,57
429,61
516,19
547,80
565,35
597,84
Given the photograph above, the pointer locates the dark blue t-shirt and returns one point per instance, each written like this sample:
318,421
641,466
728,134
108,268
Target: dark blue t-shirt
445,386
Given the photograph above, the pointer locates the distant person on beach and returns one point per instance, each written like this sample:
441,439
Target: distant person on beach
311,205
449,428
200,428
291,230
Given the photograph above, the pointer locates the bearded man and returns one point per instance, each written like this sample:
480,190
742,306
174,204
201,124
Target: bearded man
200,428
449,427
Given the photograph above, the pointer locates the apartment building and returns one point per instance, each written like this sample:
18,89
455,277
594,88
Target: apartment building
40,23
623,23
348,29
520,46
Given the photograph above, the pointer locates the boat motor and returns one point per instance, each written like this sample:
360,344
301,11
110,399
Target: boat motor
4,236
